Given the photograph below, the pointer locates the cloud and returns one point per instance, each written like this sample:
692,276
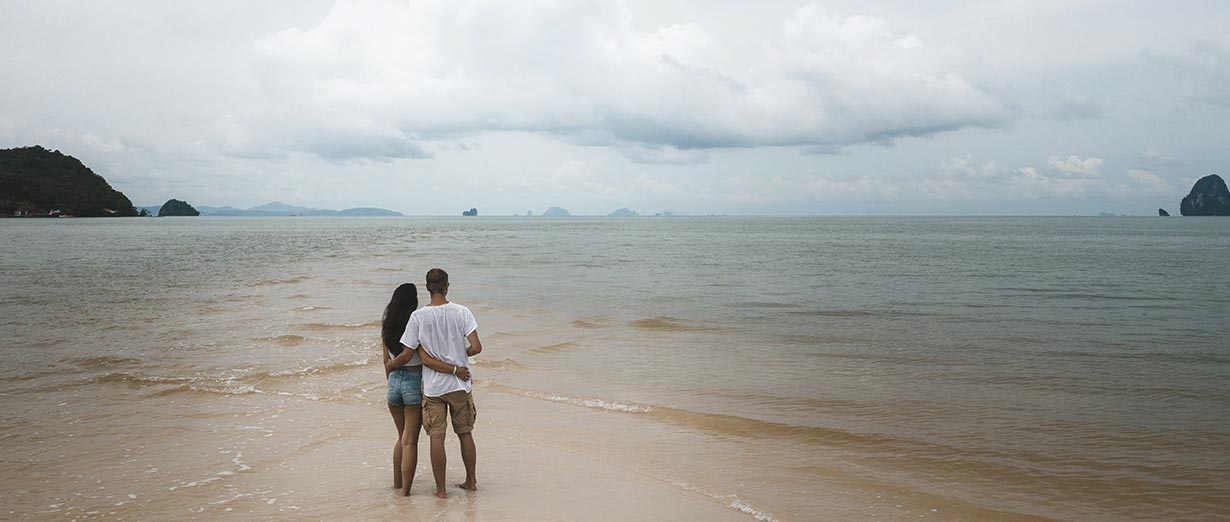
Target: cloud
378,79
1074,106
1035,184
664,154
1076,167
962,177
659,104
1203,72
1143,183
1157,158
966,168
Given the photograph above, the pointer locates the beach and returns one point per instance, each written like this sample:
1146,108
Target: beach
654,369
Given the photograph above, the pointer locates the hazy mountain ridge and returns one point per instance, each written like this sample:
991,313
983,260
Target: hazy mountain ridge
277,208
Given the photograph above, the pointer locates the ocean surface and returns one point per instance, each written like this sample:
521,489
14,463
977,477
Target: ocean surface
952,368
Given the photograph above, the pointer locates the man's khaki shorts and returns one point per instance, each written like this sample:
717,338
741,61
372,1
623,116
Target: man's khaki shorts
458,405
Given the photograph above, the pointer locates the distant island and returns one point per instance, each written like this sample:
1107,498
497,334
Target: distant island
623,212
278,208
175,207
471,212
556,212
1209,197
36,182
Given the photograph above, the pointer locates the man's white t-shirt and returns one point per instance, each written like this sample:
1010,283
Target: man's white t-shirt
442,331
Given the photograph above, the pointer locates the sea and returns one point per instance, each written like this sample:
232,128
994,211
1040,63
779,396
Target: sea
946,368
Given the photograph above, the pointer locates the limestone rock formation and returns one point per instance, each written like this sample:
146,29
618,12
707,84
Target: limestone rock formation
1209,197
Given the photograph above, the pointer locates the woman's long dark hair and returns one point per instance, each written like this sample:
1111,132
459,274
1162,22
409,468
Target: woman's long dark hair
405,300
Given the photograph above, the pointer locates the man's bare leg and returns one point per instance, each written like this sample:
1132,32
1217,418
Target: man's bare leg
410,447
468,455
438,462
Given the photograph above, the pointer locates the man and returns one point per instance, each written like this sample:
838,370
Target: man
440,331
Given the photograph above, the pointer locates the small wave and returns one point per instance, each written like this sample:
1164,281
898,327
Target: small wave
742,427
578,401
208,387
347,326
177,384
663,323
136,378
838,313
290,281
735,503
553,348
498,363
46,343
1055,293
739,505
241,467
221,384
597,403
767,304
104,361
312,370
299,296
284,340
310,308
591,323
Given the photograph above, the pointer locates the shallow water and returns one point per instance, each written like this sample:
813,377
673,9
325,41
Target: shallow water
1065,368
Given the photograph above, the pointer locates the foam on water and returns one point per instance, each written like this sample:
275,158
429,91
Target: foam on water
374,325
735,503
598,404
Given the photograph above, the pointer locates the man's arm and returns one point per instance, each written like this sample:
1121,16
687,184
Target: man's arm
401,359
476,346
443,367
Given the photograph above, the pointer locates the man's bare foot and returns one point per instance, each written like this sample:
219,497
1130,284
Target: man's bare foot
441,494
468,486
405,492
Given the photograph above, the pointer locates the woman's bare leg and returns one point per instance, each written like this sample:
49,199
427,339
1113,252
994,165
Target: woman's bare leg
413,415
399,418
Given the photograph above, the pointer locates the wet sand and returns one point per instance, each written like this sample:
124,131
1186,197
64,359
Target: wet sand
294,457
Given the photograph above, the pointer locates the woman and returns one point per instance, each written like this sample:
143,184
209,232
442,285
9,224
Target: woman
405,395
404,370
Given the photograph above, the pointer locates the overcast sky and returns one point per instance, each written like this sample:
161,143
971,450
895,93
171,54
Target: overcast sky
719,106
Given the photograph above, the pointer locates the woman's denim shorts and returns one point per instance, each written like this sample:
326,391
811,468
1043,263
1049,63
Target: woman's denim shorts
406,386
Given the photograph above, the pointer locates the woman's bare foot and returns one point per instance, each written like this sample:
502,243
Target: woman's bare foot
440,493
469,486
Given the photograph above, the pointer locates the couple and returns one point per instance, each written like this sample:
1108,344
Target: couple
425,354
